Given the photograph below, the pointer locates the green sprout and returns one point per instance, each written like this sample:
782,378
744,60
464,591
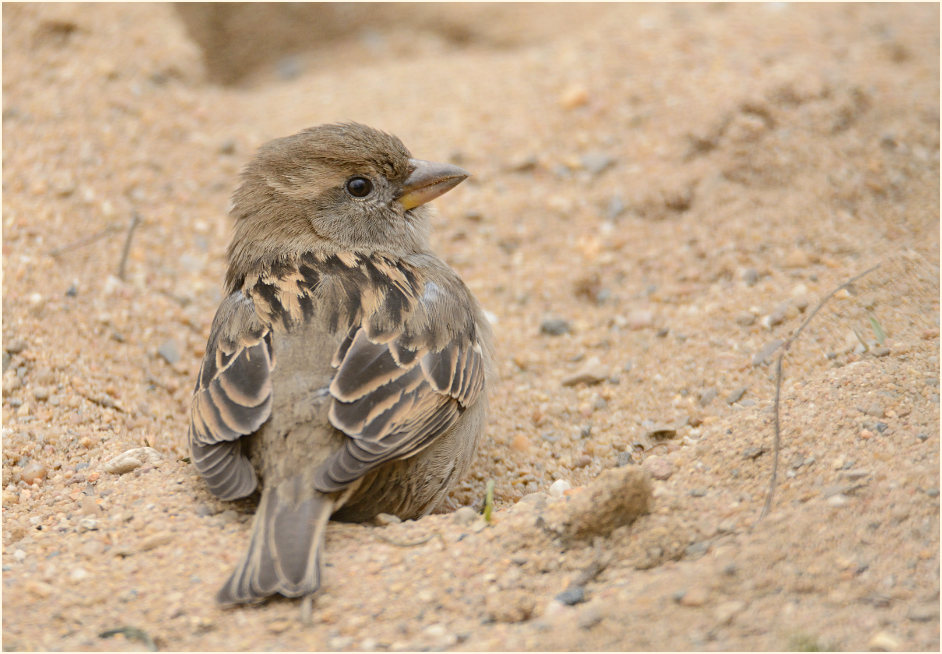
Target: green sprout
489,501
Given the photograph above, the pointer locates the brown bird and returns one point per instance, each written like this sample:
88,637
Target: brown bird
346,368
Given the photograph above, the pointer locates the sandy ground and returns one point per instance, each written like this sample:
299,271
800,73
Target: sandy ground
659,195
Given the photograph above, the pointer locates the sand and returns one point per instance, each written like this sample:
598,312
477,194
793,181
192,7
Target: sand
661,194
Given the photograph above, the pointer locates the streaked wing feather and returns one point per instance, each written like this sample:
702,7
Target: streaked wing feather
233,397
439,367
366,367
227,472
394,398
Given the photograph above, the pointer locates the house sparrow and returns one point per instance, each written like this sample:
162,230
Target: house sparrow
346,369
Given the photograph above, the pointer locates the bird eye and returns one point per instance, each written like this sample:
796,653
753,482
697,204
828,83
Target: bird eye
359,187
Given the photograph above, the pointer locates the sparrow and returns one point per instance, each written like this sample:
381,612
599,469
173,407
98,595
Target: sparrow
346,369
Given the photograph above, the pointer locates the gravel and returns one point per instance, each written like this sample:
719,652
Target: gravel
732,192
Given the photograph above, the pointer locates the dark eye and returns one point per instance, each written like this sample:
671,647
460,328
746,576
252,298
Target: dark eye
359,187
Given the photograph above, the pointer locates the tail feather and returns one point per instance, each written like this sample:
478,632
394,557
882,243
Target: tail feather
284,552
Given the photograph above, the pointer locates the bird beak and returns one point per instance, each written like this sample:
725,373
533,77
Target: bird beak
427,181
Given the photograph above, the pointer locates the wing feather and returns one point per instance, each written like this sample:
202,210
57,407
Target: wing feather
393,398
233,397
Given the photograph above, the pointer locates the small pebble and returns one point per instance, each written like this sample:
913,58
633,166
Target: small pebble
520,443
131,460
884,641
87,524
623,459
465,515
40,589
440,634
750,276
228,146
765,355
639,319
753,452
696,550
574,96
707,396
661,432
14,345
616,207
555,327
592,372
797,259
658,467
155,541
590,616
19,555
596,162
78,574
837,500
777,317
726,611
34,472
89,506
694,597
523,164
11,383
169,351
736,395
745,318
924,613
874,409
558,487
384,519
112,285
572,595
278,626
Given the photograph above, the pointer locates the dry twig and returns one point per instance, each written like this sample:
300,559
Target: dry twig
776,444
135,219
83,241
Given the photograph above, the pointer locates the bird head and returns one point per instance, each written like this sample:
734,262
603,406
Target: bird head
336,187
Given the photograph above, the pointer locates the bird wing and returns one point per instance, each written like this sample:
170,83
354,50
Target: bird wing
398,388
233,397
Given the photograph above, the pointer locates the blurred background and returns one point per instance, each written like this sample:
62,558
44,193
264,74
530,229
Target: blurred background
243,41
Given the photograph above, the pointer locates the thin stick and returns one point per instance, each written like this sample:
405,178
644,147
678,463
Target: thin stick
776,443
135,219
82,242
401,543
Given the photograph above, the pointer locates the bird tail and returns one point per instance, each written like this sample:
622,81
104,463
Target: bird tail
284,553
